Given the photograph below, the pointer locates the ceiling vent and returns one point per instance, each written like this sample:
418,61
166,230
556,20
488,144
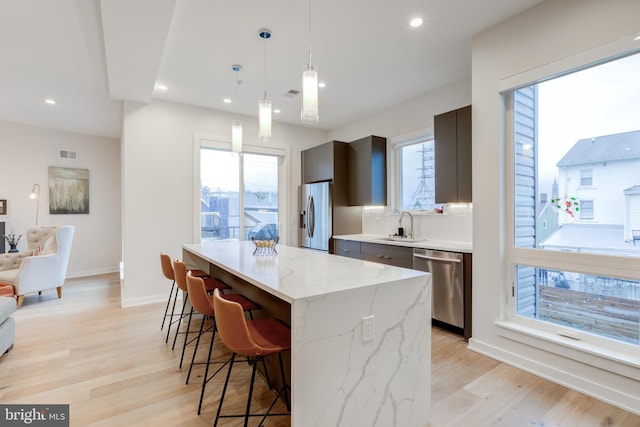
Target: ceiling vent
292,93
66,154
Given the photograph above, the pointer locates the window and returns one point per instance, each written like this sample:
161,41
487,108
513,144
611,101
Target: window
416,175
586,177
586,209
566,130
239,196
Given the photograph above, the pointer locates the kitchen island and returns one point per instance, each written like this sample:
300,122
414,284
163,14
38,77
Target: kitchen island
338,376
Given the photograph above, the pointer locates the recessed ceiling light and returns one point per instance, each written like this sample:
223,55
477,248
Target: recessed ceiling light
50,101
416,22
637,37
227,100
276,111
322,84
162,87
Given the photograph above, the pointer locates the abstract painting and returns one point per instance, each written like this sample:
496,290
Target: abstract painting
68,190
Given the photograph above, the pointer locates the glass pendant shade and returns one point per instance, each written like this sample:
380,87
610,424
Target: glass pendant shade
236,136
264,110
310,95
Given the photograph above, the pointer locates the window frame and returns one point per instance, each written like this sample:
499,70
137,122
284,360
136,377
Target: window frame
612,355
583,209
283,153
395,177
588,176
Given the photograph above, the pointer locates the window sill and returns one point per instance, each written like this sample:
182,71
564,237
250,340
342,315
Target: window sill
619,362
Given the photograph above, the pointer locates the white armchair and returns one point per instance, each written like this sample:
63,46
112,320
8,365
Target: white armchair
30,273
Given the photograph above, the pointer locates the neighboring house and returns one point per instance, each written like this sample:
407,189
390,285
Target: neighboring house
603,174
632,214
546,219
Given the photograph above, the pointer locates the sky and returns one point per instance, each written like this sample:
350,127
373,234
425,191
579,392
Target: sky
599,101
219,169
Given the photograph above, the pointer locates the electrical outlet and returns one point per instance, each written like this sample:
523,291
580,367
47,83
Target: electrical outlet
368,328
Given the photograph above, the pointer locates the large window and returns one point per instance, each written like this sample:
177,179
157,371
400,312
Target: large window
416,175
239,195
566,131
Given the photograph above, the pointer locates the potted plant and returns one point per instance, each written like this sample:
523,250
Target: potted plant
13,241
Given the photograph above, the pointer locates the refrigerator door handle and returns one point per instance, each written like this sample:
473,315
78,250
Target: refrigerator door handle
312,216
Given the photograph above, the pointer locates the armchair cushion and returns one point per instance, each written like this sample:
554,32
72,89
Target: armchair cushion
49,246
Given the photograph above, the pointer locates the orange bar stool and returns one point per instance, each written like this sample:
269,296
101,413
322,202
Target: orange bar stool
167,271
254,339
180,272
203,304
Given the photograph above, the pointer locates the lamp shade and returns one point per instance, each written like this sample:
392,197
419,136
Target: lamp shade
310,95
264,110
236,136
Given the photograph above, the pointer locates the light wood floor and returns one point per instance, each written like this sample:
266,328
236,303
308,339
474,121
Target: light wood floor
114,369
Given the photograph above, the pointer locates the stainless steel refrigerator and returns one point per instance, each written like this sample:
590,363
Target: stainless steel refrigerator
316,215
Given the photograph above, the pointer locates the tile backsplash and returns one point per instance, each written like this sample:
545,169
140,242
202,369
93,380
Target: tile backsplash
455,224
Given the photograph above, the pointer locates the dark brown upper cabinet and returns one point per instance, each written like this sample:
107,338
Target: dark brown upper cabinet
328,162
368,171
453,156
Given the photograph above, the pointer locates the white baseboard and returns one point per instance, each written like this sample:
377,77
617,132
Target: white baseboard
87,273
627,401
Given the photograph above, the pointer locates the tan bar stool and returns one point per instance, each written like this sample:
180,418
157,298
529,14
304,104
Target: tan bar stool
167,270
203,304
180,273
254,339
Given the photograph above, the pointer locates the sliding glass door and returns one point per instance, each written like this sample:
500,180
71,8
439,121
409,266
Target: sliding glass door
239,194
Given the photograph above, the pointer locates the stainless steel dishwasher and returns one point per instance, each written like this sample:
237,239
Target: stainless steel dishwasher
447,296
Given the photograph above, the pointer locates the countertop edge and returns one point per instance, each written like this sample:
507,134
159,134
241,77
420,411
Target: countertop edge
444,245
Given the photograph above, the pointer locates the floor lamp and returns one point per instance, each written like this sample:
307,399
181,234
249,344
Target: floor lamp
35,194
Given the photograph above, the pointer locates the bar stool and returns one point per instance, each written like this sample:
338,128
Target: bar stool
167,270
203,304
254,339
180,273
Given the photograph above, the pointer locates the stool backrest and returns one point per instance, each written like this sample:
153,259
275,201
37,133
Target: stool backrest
200,301
180,273
167,268
232,327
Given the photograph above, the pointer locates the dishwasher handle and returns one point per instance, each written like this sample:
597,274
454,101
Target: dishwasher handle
452,260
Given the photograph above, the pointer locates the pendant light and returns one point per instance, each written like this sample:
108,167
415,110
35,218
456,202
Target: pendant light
309,112
264,105
236,124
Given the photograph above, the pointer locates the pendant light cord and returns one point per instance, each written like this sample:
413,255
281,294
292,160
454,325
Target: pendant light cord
309,32
265,67
237,85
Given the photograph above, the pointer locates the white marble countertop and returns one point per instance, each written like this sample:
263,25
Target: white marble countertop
443,245
297,273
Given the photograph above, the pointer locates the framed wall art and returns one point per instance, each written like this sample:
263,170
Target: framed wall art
3,207
68,190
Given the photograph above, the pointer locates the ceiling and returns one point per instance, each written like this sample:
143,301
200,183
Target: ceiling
90,55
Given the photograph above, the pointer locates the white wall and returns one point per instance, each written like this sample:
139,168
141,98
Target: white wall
26,153
158,184
548,32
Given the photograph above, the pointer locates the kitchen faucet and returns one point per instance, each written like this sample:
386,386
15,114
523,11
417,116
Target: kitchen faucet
410,233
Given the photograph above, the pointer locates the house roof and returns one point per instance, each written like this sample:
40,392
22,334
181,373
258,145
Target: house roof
606,148
591,238
632,190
